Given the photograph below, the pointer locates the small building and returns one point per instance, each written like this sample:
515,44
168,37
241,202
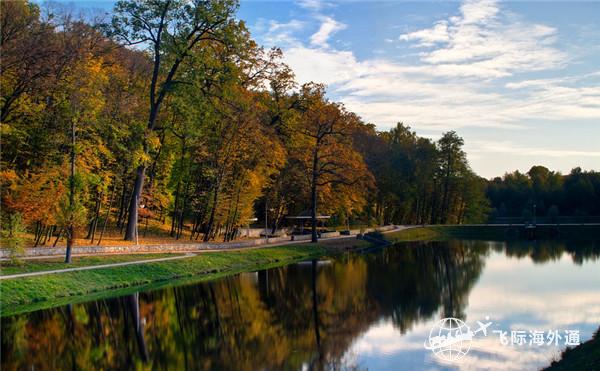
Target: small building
299,221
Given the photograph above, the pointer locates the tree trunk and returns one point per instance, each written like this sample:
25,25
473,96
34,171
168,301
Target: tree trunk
38,226
126,212
47,234
434,199
70,227
313,197
107,216
57,237
232,218
445,200
123,204
94,225
175,208
183,209
138,325
211,220
131,233
153,167
200,221
315,310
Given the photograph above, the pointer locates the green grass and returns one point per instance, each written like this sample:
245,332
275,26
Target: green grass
32,293
412,234
491,232
433,233
38,265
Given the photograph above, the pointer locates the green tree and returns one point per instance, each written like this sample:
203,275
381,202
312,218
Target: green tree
326,149
170,29
12,229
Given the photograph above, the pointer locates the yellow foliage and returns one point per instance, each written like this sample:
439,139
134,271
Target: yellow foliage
36,196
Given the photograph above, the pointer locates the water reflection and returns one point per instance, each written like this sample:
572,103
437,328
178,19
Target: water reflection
315,315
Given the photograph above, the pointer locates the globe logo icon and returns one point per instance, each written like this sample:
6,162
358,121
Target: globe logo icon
449,339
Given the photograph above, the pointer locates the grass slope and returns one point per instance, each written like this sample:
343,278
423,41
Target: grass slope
31,293
38,265
431,233
492,232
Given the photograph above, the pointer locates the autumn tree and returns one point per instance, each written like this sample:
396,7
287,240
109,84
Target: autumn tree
29,54
327,150
170,30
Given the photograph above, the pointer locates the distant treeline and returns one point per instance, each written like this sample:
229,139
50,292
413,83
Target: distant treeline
549,194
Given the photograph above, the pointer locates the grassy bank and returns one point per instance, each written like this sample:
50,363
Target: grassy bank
47,264
437,233
492,232
32,293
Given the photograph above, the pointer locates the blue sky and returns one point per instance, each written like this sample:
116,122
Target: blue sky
519,81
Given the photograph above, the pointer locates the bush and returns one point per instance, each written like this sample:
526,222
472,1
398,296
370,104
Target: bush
12,228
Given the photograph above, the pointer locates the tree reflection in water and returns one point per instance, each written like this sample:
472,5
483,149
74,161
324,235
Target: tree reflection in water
305,314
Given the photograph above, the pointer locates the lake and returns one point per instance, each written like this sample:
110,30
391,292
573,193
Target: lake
371,310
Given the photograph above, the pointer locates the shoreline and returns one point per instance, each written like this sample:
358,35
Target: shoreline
496,232
25,294
44,291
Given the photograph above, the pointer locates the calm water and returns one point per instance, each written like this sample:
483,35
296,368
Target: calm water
364,311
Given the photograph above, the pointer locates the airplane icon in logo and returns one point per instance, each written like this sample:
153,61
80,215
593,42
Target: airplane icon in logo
482,327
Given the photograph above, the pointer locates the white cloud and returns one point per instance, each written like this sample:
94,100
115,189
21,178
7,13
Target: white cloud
429,37
273,33
484,42
329,26
505,147
460,79
384,92
323,66
477,11
384,338
315,5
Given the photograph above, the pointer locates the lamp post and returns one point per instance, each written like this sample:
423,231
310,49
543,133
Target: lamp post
266,220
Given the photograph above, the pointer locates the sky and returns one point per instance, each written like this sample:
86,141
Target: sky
519,80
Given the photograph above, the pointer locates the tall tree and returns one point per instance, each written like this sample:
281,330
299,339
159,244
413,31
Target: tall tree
170,29
452,165
29,53
328,153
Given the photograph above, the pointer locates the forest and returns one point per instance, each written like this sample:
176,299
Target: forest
550,193
169,116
